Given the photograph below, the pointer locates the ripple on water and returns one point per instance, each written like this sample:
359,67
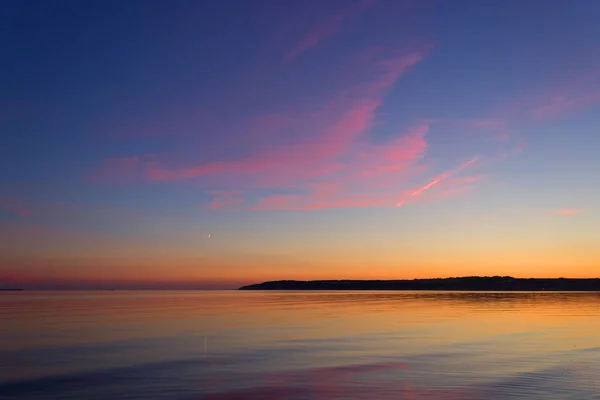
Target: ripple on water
300,345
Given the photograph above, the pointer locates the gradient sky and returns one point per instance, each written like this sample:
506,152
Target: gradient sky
310,139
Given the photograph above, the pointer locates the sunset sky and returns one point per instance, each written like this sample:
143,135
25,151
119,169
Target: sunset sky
217,143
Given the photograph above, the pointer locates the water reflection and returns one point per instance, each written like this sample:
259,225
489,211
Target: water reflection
300,345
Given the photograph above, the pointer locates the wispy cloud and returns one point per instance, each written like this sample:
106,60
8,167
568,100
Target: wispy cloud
225,198
536,106
393,156
335,163
307,203
567,211
560,105
562,101
335,149
326,28
436,181
553,100
444,192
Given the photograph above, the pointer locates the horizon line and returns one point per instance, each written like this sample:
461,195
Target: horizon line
148,286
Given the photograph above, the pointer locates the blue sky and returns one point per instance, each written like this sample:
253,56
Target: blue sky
317,139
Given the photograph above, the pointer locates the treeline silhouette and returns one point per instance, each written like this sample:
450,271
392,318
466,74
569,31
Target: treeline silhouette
491,283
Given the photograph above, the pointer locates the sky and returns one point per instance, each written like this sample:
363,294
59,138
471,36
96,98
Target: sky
210,144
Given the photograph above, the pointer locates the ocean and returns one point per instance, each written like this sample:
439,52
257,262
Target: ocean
223,345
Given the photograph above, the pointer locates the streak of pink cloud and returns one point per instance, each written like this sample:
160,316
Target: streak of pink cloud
332,137
539,105
561,104
14,206
394,156
225,198
337,138
555,100
321,149
306,203
277,202
395,67
574,94
368,179
443,176
371,169
326,28
326,189
436,181
444,193
158,173
341,203
568,211
333,163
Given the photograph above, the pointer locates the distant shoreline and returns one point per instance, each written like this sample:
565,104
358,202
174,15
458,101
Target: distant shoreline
496,283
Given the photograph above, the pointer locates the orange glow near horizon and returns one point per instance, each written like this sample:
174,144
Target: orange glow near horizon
234,271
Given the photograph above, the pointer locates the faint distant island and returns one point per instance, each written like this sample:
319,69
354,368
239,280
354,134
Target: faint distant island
469,283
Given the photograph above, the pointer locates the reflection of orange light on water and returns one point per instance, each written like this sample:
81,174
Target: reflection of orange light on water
405,324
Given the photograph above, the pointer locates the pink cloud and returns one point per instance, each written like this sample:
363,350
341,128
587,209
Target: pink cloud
225,198
561,104
278,202
307,203
333,163
367,178
568,211
158,173
574,94
326,28
554,100
14,206
395,156
444,193
325,189
435,182
539,105
328,136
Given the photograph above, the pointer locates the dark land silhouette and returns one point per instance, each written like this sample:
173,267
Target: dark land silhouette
470,283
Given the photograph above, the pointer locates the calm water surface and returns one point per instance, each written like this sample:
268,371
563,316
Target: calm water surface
222,345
